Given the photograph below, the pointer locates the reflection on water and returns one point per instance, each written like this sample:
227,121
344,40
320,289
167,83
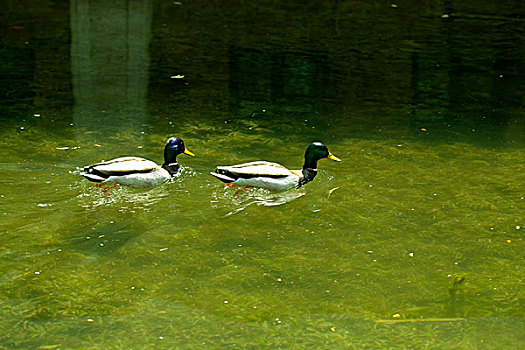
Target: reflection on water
241,199
413,241
238,199
127,199
109,66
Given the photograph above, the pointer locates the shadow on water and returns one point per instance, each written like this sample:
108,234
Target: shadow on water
104,238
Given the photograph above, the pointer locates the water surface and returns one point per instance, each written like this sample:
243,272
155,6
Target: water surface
414,240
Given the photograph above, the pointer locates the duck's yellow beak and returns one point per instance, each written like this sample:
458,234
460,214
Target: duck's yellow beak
332,157
186,151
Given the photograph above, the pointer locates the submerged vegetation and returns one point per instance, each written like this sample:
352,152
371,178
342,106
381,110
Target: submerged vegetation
404,251
414,240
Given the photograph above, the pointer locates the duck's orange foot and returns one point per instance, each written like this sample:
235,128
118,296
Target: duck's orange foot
242,189
105,190
228,185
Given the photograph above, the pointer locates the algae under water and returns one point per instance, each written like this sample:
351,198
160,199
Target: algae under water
414,240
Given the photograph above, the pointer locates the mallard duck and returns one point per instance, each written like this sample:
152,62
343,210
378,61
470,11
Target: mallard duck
273,176
138,172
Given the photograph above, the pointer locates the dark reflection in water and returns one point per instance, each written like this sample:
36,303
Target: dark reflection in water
447,66
109,64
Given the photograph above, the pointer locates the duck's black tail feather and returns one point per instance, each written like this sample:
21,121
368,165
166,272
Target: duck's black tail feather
225,176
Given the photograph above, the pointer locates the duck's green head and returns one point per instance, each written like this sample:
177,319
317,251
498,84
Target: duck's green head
317,151
174,147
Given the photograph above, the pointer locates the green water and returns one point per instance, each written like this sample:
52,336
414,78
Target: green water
414,240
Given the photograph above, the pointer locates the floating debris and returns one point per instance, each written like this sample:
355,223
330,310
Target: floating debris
332,191
49,347
422,320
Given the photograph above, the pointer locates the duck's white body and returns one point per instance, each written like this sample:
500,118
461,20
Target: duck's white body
128,171
274,176
262,174
138,172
